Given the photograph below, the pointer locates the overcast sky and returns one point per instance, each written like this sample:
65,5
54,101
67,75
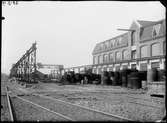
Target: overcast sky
67,32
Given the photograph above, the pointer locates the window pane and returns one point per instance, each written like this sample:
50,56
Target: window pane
99,71
118,56
104,69
100,59
111,57
143,51
117,68
133,66
134,56
95,60
105,58
124,66
155,65
143,66
155,49
125,55
110,69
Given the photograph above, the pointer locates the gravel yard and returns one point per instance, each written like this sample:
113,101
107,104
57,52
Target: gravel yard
112,99
115,104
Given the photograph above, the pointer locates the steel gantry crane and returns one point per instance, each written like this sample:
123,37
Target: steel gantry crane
25,68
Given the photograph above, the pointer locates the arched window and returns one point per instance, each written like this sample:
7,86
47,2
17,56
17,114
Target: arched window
107,44
95,60
105,58
111,43
143,51
155,49
119,40
125,55
100,59
111,57
118,56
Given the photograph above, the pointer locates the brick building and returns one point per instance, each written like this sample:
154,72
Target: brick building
143,48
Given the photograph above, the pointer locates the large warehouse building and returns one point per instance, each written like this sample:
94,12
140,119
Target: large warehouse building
143,47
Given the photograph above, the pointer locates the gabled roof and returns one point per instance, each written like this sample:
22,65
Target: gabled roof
98,45
146,32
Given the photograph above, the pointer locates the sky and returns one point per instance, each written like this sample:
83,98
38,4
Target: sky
67,32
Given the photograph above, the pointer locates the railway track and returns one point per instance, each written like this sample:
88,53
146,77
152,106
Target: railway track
6,110
72,111
25,110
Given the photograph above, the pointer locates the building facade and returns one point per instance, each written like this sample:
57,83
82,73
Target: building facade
143,47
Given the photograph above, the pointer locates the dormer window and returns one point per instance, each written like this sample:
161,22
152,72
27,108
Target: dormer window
101,47
155,31
111,44
115,42
119,40
106,45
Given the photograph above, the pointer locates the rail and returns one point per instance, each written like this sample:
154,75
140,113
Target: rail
9,105
83,107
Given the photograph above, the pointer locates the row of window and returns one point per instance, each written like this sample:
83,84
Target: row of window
143,67
110,57
155,50
125,55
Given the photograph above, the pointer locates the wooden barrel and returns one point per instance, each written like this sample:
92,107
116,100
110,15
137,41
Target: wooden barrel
129,84
116,78
135,80
152,75
161,75
124,78
143,75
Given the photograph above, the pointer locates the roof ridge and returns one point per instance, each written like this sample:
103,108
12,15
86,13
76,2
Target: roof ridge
146,21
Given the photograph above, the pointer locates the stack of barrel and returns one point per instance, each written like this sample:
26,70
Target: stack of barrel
134,80
156,75
78,77
152,75
162,75
116,80
124,77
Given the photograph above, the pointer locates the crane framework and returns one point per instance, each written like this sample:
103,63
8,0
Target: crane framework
25,68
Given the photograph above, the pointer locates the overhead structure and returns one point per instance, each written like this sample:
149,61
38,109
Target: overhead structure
25,68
